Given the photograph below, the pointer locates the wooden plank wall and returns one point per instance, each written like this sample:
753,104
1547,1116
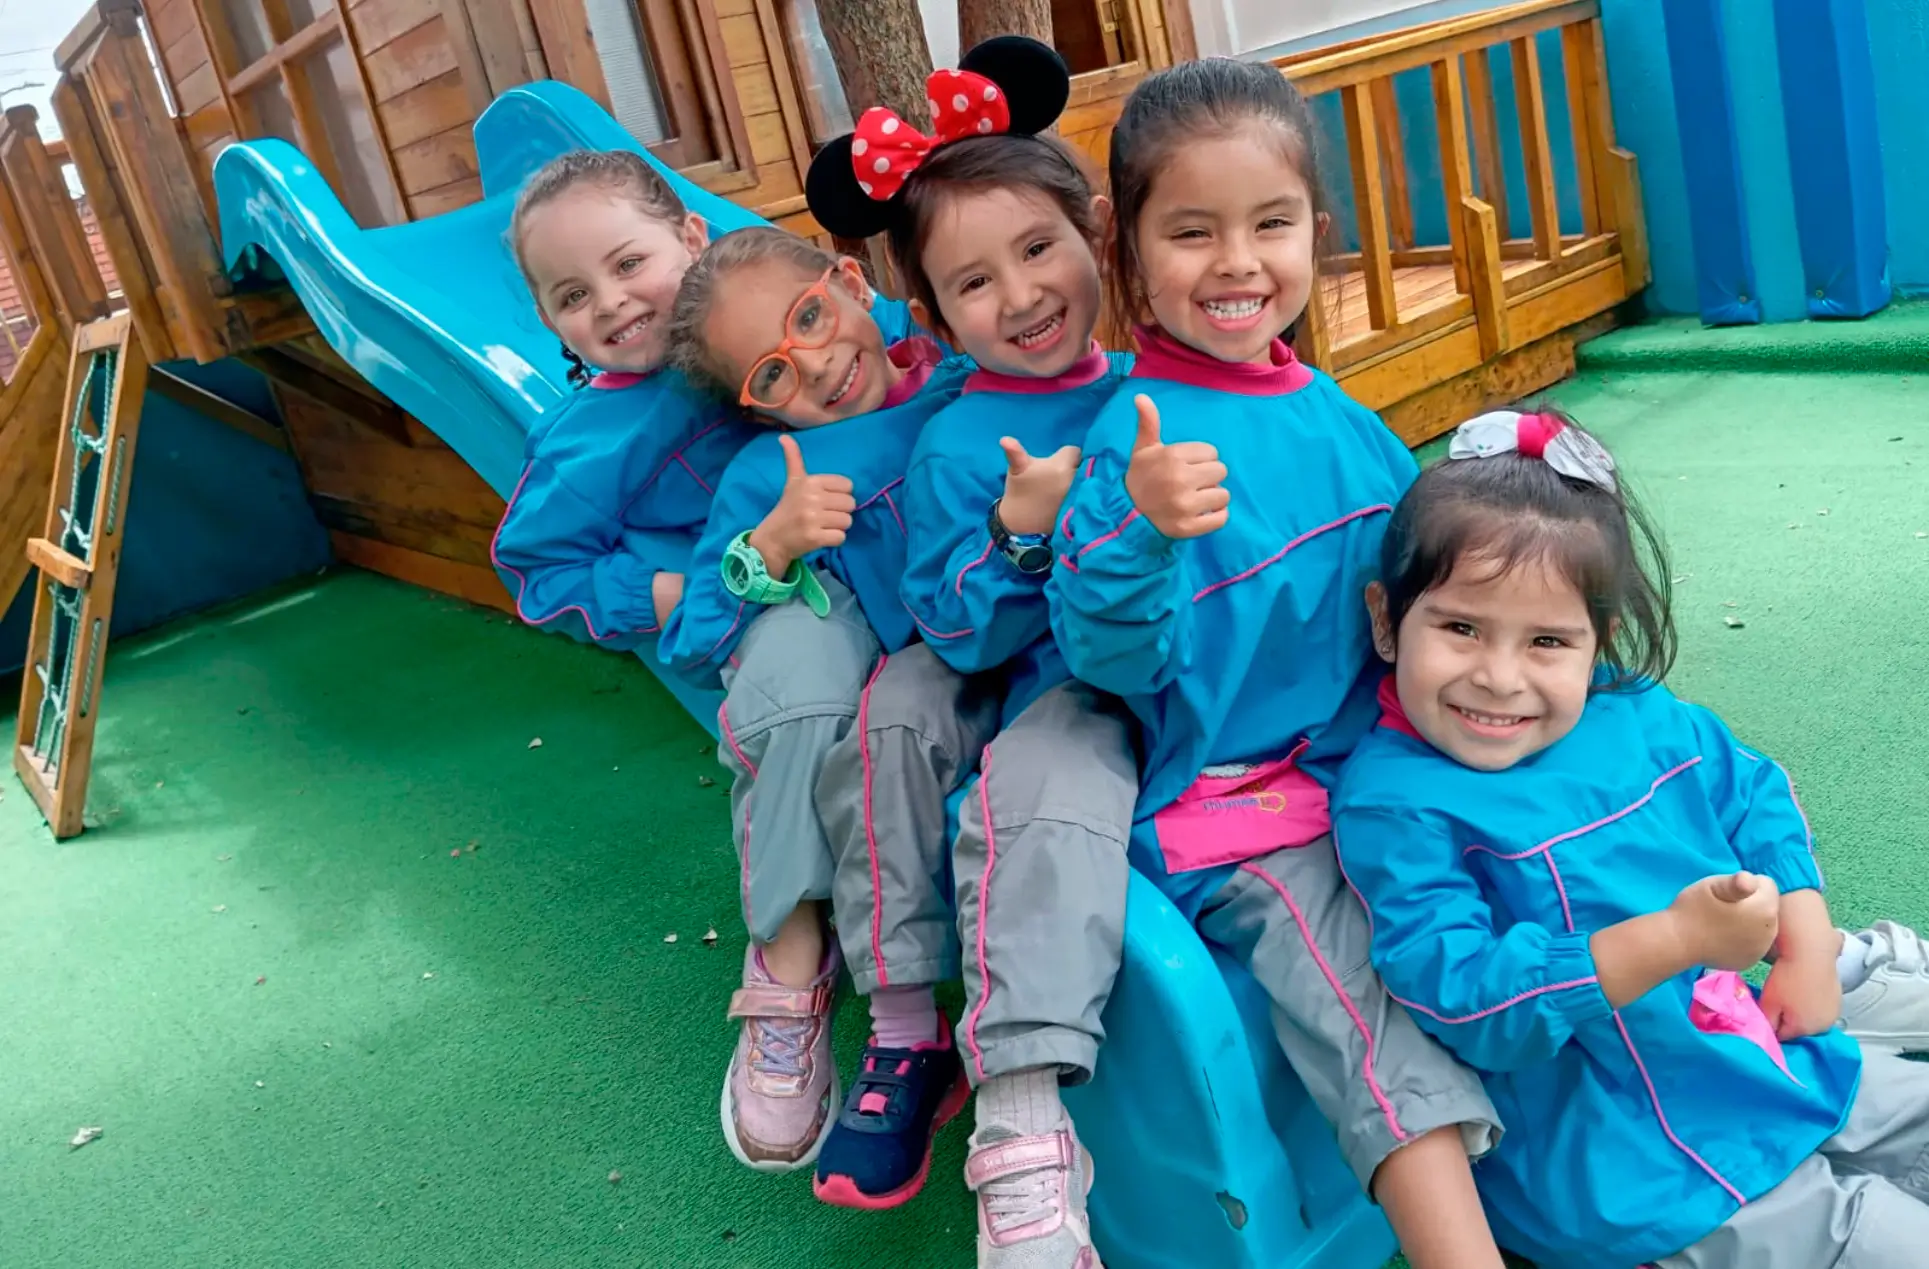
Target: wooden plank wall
419,96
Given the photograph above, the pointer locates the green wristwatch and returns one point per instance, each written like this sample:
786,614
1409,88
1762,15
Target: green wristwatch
745,576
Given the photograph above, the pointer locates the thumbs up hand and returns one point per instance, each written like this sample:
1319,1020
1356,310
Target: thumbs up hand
1035,488
1180,487
814,513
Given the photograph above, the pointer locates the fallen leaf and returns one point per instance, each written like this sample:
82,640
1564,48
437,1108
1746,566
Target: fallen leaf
669,938
1729,603
1733,623
327,1045
1897,438
1684,577
261,980
705,782
456,853
428,974
1923,535
159,783
84,1136
537,743
616,768
1821,511
1793,525
615,1177
222,859
710,936
261,1083
220,907
474,847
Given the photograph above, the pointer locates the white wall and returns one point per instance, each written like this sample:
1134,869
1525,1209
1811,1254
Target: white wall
1232,27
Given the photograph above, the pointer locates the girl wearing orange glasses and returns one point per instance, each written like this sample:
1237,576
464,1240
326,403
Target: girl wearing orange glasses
795,581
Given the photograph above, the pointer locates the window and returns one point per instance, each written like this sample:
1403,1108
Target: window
288,71
829,113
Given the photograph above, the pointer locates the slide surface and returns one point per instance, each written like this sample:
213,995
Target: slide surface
1213,1152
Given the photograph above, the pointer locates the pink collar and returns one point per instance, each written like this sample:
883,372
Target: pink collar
1163,357
1086,370
916,357
611,380
1393,716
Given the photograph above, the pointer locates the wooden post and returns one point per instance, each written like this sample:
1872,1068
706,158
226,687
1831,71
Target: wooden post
52,221
1393,163
133,267
1489,284
1486,135
1369,202
1536,155
1579,61
1449,113
158,182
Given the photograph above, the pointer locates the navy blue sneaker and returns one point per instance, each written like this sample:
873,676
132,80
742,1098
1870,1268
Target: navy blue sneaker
878,1152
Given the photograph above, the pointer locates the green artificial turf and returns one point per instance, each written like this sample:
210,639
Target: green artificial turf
315,1038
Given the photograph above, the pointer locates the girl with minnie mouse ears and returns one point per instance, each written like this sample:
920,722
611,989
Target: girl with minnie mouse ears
993,229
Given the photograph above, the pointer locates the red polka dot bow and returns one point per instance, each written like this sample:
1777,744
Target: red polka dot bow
885,149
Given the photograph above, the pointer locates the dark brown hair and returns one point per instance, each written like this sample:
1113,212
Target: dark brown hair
689,345
1185,104
1041,165
1506,510
620,172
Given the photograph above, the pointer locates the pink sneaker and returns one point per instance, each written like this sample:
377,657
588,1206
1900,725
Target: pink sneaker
1031,1201
781,1094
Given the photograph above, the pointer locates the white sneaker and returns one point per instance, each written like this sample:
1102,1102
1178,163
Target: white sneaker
1890,1010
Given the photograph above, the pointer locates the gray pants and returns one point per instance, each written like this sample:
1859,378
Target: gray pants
1040,868
1861,1203
792,693
881,800
1290,918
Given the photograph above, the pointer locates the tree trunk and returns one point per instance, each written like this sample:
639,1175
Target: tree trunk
979,20
881,54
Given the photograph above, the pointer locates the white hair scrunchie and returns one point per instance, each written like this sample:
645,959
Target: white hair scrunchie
1568,450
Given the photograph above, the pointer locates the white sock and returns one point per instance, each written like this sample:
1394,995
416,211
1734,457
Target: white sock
1852,966
1022,1104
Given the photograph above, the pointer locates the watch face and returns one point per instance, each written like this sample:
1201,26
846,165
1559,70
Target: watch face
1031,557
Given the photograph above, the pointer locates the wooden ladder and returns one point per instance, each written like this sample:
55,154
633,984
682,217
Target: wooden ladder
79,555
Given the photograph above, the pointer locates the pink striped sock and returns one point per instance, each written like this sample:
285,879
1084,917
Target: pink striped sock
904,1016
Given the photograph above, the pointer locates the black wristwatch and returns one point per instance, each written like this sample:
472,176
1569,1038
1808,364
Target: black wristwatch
1029,553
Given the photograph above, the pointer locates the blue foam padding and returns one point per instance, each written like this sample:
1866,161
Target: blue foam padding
1641,87
1828,90
1724,261
1761,142
1899,52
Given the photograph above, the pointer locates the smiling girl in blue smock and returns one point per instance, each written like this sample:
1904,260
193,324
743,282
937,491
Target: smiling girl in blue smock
1567,866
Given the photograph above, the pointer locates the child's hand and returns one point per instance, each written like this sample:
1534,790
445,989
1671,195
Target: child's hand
1727,922
1179,487
666,592
1803,996
1035,488
813,513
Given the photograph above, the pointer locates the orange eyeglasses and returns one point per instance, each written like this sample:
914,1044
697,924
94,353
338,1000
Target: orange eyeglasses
811,323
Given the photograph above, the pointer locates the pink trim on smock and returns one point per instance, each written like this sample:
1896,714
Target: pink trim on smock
1086,370
1163,357
613,380
917,357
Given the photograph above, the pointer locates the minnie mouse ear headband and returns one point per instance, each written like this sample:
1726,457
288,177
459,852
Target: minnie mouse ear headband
1568,450
1008,84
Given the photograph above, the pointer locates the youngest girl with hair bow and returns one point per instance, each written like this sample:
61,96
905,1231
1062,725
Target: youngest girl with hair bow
1567,868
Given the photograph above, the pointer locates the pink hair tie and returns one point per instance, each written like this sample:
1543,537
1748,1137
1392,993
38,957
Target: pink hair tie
1534,431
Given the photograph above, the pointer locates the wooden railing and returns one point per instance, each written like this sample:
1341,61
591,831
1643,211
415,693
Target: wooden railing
1492,276
57,287
157,221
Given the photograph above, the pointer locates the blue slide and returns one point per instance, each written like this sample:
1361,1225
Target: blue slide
1208,1150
